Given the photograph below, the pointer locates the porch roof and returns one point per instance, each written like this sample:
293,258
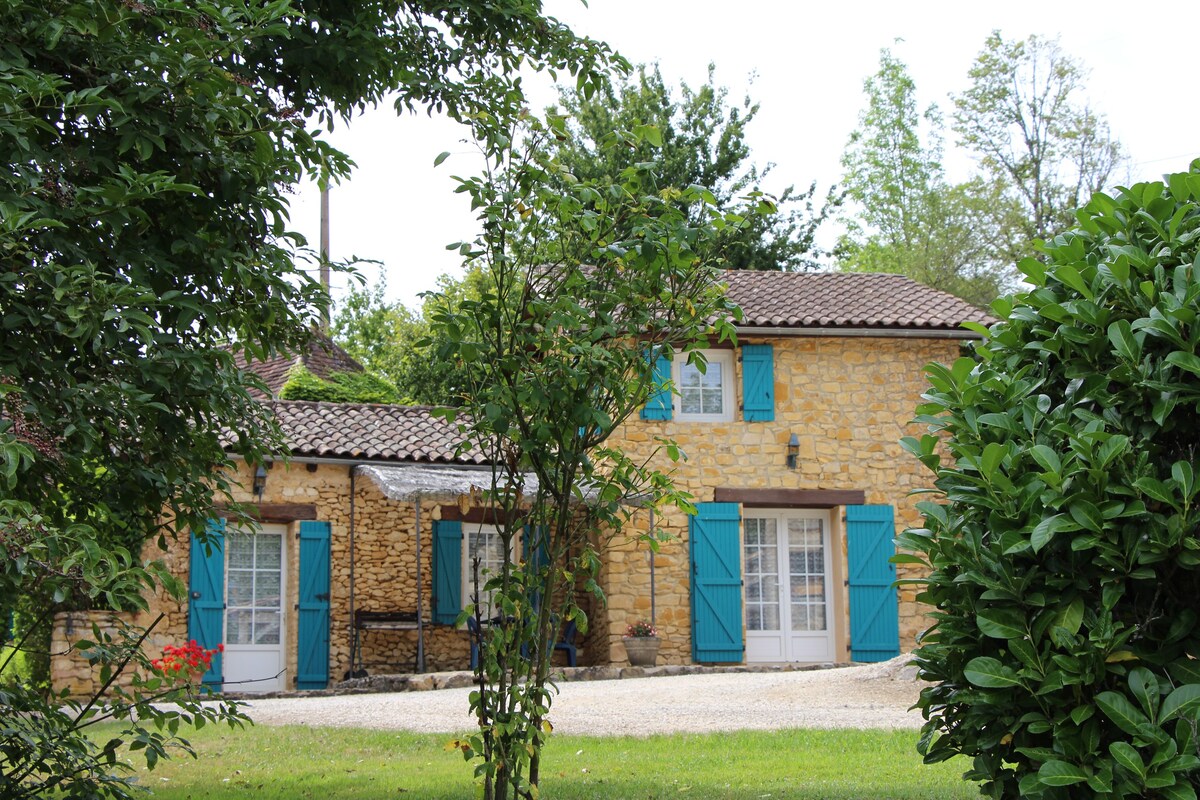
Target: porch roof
407,482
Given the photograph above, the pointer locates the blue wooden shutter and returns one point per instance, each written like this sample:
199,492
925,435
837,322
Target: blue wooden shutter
312,631
874,609
659,404
206,595
758,383
447,571
716,583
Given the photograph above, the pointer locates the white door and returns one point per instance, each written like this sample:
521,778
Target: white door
786,571
254,636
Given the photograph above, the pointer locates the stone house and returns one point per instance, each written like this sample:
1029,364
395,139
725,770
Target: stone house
793,460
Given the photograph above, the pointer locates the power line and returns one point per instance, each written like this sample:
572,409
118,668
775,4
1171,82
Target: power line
1192,154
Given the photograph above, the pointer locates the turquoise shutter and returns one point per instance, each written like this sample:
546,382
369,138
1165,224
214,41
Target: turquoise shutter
716,583
758,383
659,404
874,609
447,571
312,632
206,595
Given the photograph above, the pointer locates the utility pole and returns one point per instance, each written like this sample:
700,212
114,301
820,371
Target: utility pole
325,254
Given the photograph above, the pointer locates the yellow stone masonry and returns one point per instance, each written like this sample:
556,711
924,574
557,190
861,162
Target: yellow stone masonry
848,401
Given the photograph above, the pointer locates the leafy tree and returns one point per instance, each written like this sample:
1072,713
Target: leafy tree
696,139
1064,558
557,347
1024,120
906,217
151,145
391,340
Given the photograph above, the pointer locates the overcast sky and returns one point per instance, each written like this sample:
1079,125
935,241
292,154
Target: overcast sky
808,62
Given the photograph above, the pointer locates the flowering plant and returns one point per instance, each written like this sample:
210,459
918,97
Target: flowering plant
642,629
187,662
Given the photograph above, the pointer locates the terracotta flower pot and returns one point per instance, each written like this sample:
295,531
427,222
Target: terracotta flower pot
642,650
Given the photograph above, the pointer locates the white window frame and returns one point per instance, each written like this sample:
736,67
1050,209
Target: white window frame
468,564
728,395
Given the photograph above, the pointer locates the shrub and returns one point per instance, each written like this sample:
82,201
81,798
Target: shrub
1064,562
342,387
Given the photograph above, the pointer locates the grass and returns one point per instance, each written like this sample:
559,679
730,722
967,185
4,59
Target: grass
294,763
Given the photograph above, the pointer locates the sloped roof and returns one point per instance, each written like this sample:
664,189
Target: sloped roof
370,432
322,358
845,300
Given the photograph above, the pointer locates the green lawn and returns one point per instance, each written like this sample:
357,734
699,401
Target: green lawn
339,764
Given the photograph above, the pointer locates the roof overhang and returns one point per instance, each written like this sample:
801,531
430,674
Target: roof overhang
876,333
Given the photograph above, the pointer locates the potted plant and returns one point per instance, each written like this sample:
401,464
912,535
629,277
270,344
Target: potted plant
641,643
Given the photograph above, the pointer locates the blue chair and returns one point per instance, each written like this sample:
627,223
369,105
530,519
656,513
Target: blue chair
568,642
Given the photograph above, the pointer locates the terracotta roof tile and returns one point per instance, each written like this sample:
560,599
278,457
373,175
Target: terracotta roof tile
322,358
845,300
370,432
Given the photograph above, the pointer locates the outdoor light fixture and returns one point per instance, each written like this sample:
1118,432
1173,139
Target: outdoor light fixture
793,451
260,481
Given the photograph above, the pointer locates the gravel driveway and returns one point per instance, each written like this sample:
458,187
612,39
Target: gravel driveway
871,696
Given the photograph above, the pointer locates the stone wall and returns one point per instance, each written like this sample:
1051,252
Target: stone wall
849,401
384,577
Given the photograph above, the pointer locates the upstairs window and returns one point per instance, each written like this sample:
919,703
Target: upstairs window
704,393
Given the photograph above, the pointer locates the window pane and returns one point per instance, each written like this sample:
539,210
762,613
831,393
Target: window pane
689,376
712,376
267,551
712,401
754,618
241,549
806,565
770,619
689,401
239,623
241,588
266,590
761,574
266,627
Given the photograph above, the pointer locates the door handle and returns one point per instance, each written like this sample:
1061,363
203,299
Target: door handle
195,595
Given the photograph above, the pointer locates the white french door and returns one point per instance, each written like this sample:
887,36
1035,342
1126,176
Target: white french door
787,571
254,632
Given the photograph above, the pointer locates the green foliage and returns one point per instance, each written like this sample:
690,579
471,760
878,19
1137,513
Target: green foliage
694,139
341,387
42,736
906,217
555,350
391,340
1044,148
1065,561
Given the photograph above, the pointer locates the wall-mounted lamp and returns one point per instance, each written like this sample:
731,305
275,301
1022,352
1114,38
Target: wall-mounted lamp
793,451
260,482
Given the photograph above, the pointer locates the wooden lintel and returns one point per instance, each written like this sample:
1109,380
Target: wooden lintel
279,512
790,498
479,516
